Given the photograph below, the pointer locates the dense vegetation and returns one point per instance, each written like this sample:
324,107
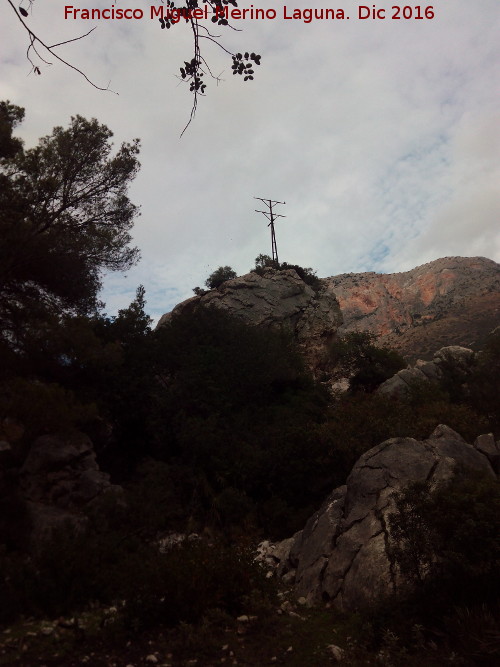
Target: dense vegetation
209,425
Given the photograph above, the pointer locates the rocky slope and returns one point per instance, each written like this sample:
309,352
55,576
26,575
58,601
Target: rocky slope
341,555
450,301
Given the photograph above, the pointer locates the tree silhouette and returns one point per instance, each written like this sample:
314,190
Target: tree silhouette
64,218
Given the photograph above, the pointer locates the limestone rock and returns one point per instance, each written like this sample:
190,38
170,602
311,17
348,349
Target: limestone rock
460,358
5,446
275,299
341,554
273,555
59,478
62,471
486,445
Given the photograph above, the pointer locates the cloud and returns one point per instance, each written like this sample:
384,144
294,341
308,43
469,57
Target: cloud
377,134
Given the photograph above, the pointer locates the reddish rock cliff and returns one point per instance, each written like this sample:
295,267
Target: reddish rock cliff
451,301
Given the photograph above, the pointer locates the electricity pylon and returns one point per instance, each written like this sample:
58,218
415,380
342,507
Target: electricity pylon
271,216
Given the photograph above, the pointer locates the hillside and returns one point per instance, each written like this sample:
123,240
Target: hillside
450,301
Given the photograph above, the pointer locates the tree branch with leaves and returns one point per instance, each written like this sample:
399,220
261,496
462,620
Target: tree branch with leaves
192,71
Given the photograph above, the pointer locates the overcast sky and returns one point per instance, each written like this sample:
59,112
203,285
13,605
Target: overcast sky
378,134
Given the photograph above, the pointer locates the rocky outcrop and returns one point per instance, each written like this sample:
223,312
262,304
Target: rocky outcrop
57,480
62,471
341,554
450,301
461,359
453,301
275,299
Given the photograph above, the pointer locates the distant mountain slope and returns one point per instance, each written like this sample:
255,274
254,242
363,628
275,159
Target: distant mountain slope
450,301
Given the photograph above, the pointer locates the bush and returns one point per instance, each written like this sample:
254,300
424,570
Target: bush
307,275
42,407
219,276
191,579
484,381
356,356
447,540
263,262
103,564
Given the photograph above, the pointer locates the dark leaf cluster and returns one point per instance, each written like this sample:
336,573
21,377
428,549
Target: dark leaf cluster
242,65
194,70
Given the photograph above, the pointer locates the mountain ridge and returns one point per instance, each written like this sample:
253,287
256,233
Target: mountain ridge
449,301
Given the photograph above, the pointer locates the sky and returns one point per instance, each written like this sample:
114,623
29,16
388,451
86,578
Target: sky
381,135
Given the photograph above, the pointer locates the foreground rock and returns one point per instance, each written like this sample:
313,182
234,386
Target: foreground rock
275,299
341,554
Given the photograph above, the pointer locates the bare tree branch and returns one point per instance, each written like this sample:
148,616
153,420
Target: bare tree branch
34,39
192,72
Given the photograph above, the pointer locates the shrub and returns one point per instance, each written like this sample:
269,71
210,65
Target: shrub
191,579
263,262
484,381
100,564
446,543
219,276
355,355
447,540
308,275
43,407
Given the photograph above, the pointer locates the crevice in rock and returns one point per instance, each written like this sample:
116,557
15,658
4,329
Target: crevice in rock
432,470
347,570
392,574
348,527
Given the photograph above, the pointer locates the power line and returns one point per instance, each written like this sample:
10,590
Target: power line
271,216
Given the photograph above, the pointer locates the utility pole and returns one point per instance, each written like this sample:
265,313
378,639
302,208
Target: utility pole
271,216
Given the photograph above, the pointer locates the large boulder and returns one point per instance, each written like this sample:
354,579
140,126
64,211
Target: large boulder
341,554
275,299
58,480
62,471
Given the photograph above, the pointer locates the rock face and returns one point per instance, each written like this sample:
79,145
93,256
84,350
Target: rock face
275,299
341,554
461,358
450,301
62,472
58,478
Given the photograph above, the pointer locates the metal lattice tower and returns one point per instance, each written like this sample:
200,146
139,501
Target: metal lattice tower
271,216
